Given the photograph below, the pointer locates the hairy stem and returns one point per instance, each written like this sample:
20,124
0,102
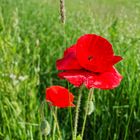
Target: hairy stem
56,123
77,114
90,95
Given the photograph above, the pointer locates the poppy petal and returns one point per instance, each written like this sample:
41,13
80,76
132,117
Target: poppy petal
116,59
106,80
59,96
75,77
94,53
69,60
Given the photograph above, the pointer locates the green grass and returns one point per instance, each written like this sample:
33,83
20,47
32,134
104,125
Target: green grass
32,38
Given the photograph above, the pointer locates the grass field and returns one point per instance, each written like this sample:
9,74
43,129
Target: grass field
32,38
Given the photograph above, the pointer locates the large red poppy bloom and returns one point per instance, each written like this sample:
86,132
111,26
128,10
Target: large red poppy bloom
91,62
59,96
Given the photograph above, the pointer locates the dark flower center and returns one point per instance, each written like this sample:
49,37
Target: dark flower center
90,58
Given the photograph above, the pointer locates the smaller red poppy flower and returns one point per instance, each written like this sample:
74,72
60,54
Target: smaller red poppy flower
59,96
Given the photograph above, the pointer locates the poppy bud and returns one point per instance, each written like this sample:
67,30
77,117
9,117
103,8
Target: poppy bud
91,107
45,127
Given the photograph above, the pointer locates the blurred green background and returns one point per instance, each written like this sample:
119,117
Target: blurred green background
32,38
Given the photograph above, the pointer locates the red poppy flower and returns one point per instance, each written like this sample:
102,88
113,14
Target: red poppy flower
90,61
59,96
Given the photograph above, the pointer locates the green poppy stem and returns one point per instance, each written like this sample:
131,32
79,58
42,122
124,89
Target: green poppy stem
56,122
90,95
77,114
